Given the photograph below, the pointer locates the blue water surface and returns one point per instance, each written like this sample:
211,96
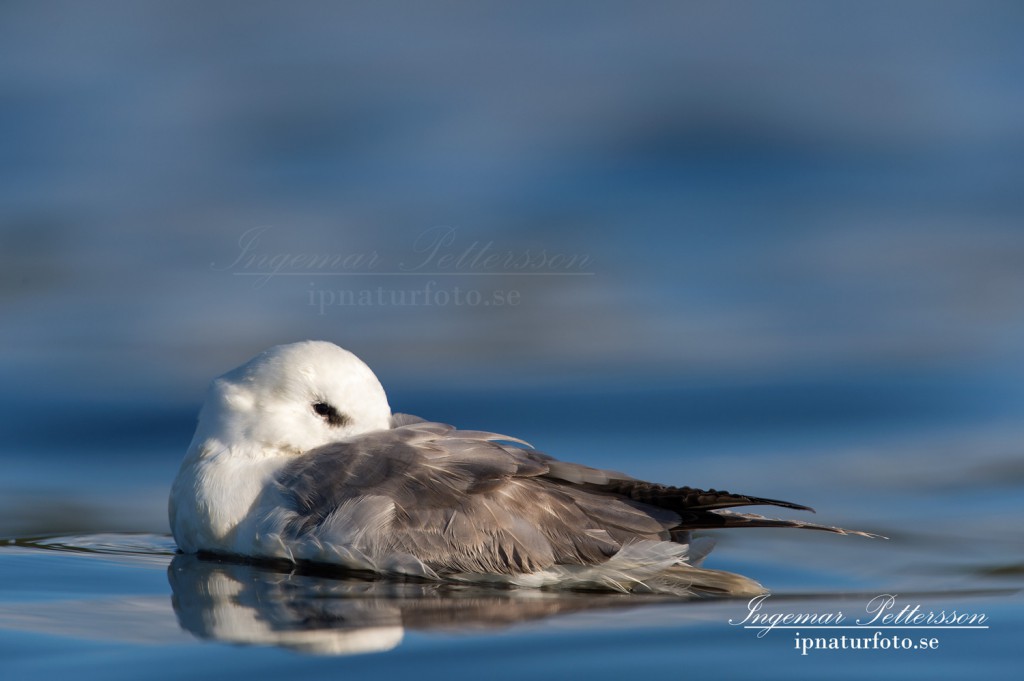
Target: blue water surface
124,605
775,248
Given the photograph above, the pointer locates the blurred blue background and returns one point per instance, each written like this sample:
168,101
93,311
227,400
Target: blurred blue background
769,246
774,212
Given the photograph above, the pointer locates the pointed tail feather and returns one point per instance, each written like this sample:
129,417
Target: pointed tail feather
724,519
705,509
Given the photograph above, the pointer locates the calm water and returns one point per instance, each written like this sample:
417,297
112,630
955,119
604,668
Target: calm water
775,248
123,605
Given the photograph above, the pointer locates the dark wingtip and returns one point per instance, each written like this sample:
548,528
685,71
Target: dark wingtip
761,501
691,498
783,504
713,499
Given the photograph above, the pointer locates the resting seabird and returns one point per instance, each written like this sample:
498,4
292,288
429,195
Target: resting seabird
297,456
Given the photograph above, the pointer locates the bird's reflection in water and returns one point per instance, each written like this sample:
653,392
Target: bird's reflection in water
238,602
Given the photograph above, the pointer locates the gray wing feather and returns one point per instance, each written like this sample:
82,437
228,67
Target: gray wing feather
464,501
398,420
451,501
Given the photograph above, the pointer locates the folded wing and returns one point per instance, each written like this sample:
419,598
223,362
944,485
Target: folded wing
473,502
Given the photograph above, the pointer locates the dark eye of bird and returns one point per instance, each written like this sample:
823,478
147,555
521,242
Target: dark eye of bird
330,414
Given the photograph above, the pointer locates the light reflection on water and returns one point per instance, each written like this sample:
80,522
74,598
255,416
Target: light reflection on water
67,594
228,602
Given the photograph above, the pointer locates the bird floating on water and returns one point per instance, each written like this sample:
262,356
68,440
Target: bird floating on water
297,456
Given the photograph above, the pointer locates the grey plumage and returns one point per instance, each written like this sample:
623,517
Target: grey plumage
434,500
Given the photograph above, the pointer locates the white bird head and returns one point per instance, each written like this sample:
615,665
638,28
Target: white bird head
292,398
